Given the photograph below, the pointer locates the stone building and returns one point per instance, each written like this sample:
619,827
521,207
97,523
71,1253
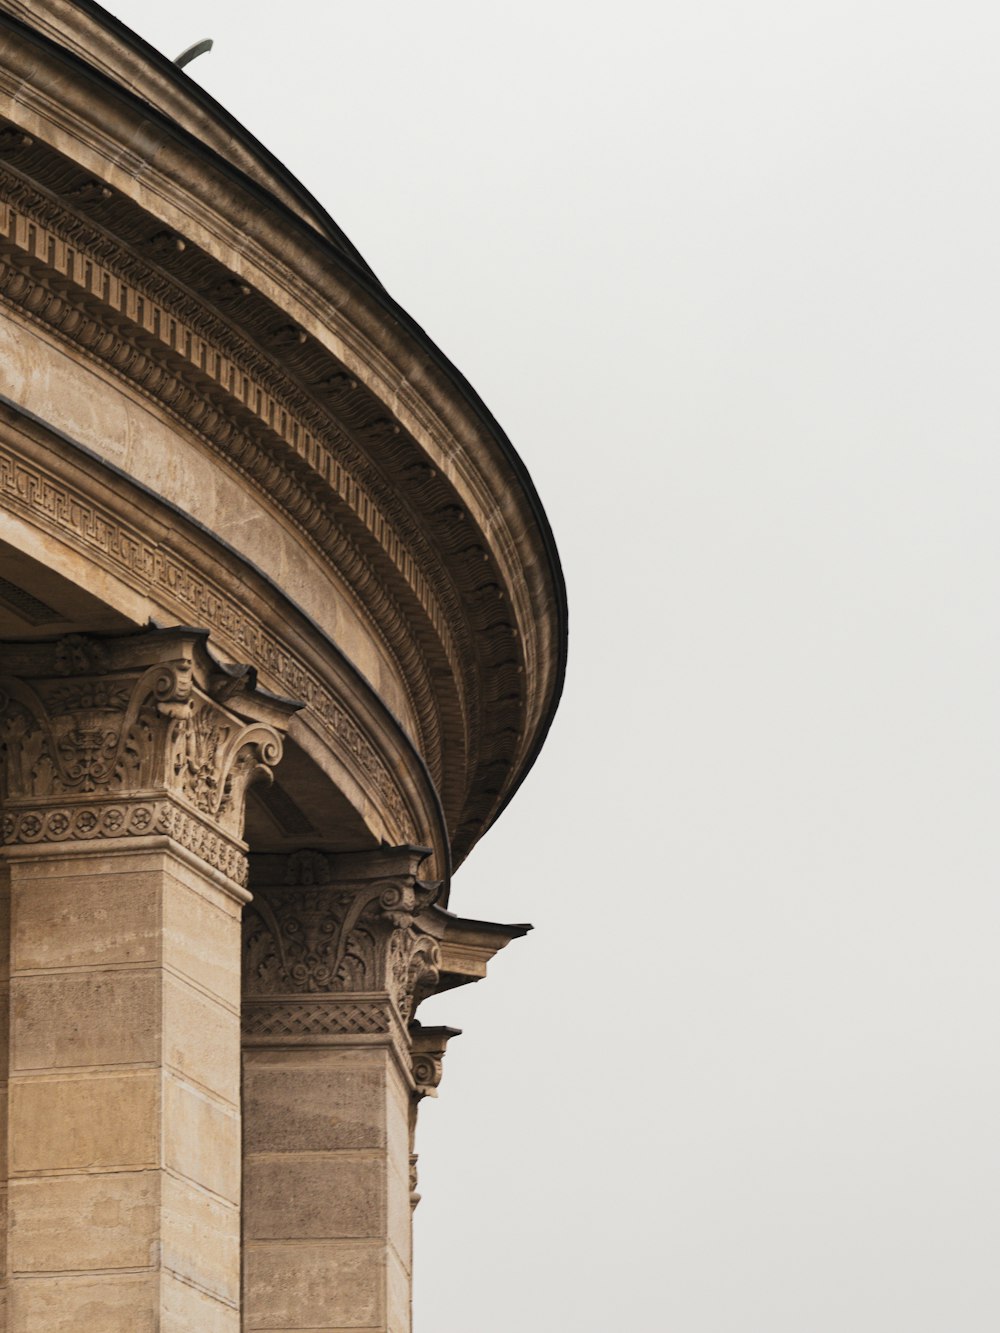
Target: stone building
283,629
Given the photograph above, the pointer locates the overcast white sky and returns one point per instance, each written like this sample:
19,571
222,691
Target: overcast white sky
728,275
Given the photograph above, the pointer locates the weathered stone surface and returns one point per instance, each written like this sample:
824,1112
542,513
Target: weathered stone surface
184,1309
74,1020
200,1238
331,1101
201,933
80,1223
316,1198
202,1132
200,1035
247,439
54,926
122,1304
345,1280
86,1122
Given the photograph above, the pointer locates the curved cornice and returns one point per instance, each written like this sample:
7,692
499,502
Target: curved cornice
288,359
102,41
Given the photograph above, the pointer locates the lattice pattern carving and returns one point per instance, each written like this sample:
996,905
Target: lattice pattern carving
295,1018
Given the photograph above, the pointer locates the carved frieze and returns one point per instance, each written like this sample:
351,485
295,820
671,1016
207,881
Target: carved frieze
123,737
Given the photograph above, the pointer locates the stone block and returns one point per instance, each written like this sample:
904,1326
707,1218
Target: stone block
4,923
110,1303
339,1284
201,936
398,1316
314,1198
201,1138
399,1213
80,920
63,1224
398,1123
201,1039
78,1123
294,1107
85,1019
200,1238
184,1309
4,1117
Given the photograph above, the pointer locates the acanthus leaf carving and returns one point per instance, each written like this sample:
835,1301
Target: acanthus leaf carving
341,938
127,736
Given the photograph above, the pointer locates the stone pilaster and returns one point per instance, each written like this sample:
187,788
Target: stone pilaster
335,961
125,764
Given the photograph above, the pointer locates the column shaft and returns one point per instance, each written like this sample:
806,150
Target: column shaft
124,765
334,962
124,1095
326,1221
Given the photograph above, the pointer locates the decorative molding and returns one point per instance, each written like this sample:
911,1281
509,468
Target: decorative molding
427,1047
319,1016
341,938
121,737
414,1180
427,1051
138,818
114,308
50,501
218,355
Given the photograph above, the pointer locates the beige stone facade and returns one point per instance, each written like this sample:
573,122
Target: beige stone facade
282,628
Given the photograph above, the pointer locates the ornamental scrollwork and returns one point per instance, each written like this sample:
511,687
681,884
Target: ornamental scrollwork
427,1051
86,755
337,939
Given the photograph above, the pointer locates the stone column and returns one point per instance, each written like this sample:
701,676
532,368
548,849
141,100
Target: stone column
335,961
125,764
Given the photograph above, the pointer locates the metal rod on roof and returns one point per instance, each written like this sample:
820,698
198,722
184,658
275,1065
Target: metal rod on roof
193,52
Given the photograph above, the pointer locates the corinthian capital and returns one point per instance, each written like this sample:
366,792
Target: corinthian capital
136,735
342,925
